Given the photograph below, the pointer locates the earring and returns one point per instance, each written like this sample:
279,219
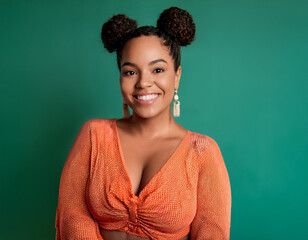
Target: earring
176,104
126,113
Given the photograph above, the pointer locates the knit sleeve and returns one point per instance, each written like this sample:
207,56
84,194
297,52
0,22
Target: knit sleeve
73,220
213,216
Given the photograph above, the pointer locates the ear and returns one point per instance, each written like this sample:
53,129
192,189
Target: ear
177,77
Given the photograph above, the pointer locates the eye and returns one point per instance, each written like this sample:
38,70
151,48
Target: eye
128,73
159,70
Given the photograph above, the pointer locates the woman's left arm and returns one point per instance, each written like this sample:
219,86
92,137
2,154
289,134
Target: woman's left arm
213,216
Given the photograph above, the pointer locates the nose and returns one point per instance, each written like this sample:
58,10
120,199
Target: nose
144,81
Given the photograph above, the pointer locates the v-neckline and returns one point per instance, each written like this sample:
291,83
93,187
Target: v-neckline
122,160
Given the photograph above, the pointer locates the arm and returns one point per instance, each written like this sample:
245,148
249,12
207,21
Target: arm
213,216
73,220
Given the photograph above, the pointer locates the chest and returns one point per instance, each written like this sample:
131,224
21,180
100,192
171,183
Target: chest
168,199
144,158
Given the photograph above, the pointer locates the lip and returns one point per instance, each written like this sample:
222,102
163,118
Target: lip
146,102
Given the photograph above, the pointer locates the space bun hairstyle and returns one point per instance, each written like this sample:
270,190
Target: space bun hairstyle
178,24
175,27
115,29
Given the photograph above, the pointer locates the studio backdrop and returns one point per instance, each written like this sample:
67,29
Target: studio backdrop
244,83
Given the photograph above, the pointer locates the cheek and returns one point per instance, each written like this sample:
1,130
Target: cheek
126,86
167,85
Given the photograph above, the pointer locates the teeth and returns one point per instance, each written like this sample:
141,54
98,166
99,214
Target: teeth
147,97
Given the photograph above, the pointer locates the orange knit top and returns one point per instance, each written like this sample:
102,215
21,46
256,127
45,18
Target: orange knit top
190,194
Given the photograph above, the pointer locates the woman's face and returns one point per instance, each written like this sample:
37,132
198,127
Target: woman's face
147,76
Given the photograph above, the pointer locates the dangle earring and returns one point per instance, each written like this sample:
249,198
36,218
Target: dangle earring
176,104
126,113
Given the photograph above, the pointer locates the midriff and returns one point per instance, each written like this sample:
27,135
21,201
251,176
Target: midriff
112,235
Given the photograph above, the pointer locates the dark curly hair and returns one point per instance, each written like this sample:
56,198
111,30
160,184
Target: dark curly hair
175,27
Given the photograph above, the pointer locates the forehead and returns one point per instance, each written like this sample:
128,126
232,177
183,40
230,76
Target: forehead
145,49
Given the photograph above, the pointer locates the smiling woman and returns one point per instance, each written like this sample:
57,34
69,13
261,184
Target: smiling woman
145,176
148,76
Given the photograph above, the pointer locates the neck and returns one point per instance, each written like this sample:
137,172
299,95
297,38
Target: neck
152,127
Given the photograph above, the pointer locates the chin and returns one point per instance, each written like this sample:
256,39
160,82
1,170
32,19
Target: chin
145,115
150,113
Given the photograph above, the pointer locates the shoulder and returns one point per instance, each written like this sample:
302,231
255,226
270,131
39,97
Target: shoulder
210,162
206,150
202,143
99,129
98,123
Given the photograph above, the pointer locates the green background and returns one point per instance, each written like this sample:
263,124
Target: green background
244,83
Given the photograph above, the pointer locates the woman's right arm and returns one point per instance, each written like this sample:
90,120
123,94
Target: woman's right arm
73,219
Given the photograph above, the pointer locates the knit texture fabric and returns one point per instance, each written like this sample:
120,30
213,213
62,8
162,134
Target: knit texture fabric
190,194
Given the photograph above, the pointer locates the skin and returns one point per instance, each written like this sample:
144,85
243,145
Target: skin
150,136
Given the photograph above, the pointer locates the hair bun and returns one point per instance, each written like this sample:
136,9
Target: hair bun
115,29
179,24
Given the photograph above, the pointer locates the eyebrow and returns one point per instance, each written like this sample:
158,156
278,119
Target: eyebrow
151,63
157,60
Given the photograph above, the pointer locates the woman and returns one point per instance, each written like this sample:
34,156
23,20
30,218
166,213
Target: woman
145,176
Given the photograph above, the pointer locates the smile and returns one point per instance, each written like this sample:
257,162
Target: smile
146,99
